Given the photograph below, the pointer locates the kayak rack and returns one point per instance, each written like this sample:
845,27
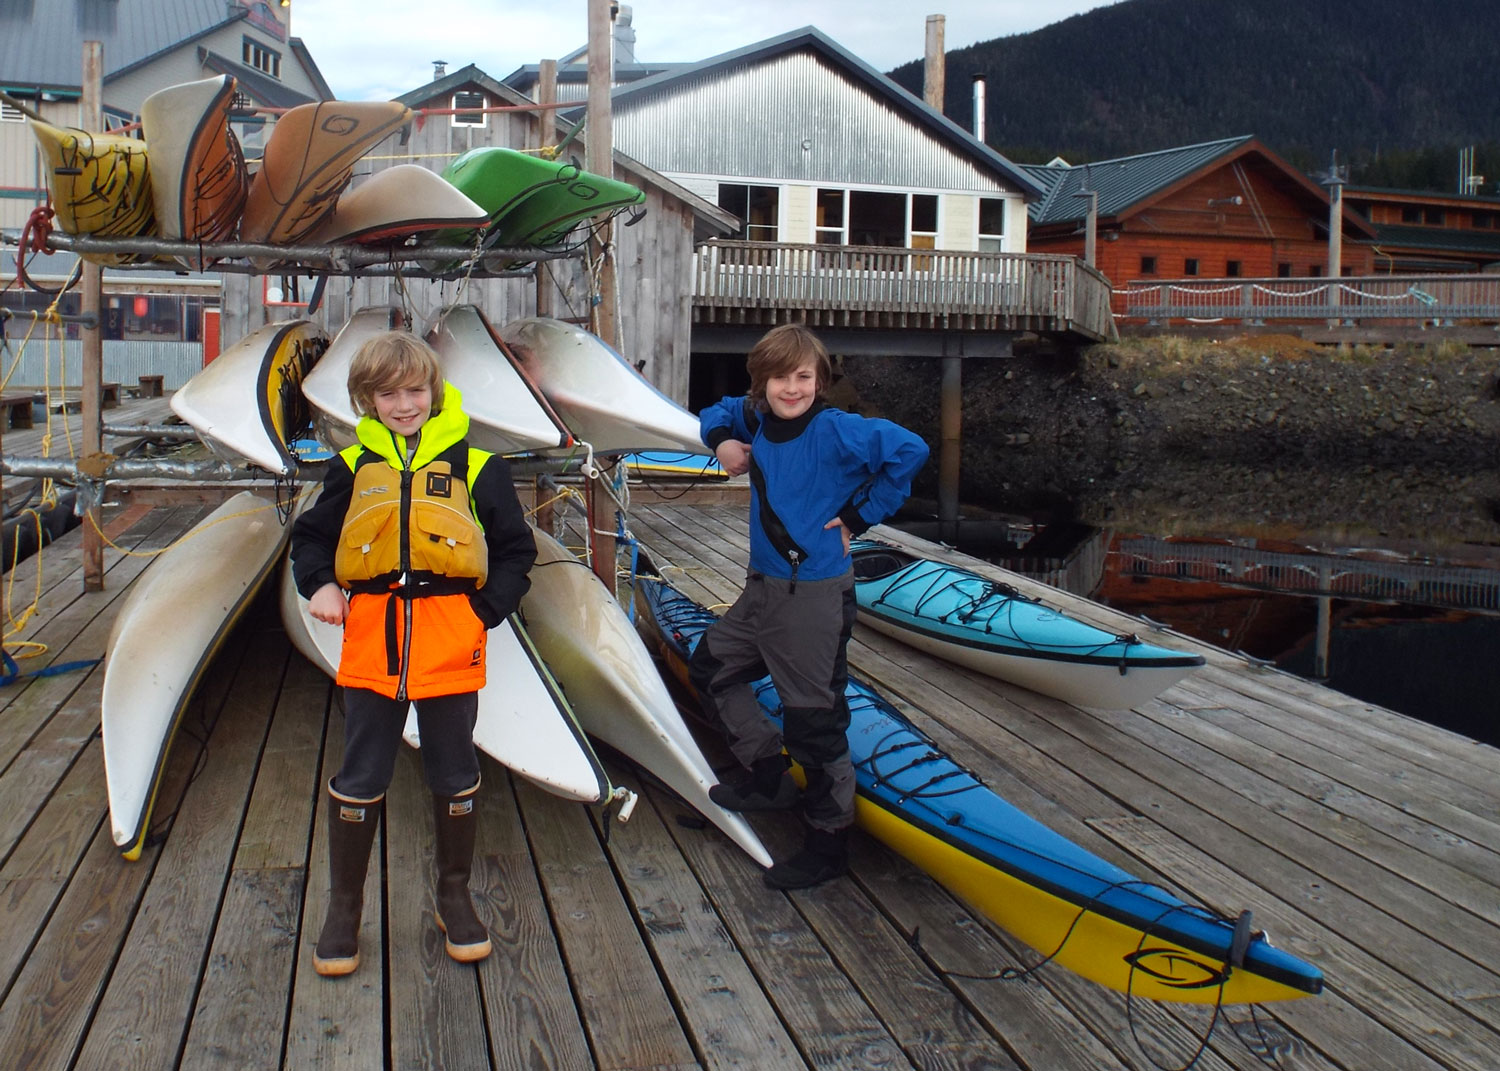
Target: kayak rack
341,259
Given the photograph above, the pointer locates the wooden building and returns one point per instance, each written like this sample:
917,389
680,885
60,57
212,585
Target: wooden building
1421,231
1221,209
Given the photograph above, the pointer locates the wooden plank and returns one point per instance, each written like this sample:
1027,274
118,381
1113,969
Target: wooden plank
435,1016
726,1013
1448,780
622,1000
528,1004
38,871
239,1019
338,1023
928,1020
1370,1012
143,1016
824,1012
1346,788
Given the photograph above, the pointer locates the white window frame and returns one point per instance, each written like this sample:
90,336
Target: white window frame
825,235
261,57
481,120
983,236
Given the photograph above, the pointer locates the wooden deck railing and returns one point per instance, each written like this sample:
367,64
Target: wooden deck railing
1355,298
877,286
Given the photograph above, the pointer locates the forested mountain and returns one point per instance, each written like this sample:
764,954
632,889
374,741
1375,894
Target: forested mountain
1396,86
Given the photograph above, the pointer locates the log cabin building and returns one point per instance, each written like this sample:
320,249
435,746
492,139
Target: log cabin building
1221,209
1423,232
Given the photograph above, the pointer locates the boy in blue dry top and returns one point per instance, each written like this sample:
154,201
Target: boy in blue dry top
818,476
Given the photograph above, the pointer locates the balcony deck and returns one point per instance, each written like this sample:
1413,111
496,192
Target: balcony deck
766,283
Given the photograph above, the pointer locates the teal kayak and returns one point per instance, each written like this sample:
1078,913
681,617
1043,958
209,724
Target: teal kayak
967,619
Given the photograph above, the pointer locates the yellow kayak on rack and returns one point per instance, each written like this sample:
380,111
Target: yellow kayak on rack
100,185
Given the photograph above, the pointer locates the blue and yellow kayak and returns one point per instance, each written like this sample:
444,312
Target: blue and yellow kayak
1085,913
967,619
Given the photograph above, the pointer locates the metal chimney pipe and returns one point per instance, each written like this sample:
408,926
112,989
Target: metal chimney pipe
979,107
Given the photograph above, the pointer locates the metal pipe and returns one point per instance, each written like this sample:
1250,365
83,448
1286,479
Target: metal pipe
979,107
335,259
128,469
152,431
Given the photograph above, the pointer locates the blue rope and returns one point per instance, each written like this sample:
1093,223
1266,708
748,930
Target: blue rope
13,670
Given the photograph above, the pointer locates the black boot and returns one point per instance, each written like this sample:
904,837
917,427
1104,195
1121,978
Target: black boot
824,856
351,832
467,940
768,787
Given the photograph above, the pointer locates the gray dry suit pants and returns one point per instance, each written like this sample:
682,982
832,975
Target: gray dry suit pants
372,736
800,637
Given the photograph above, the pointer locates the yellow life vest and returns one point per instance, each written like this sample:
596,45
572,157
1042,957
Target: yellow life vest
436,530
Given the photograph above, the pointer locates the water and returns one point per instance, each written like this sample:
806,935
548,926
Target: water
1404,565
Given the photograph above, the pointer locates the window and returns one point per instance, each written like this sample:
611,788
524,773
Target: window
923,225
830,223
263,59
1190,266
1482,220
1148,265
469,100
1411,215
1283,270
991,225
1434,217
1315,270
1231,269
757,206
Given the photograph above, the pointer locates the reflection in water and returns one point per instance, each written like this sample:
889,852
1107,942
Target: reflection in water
1404,568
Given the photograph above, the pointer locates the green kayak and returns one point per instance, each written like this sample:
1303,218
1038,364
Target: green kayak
545,217
498,180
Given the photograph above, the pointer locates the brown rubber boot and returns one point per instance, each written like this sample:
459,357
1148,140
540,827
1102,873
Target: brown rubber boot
351,831
467,939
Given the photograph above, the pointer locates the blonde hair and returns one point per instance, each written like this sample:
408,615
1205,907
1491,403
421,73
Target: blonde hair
781,351
393,359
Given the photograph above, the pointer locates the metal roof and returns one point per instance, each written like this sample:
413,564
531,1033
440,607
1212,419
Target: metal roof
41,40
260,87
1447,239
809,39
1122,182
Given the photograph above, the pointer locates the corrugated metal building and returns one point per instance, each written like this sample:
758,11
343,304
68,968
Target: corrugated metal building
808,143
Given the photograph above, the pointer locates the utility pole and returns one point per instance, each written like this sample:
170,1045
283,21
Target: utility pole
546,134
1335,183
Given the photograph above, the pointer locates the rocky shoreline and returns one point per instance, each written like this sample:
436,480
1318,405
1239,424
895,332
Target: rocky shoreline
1187,436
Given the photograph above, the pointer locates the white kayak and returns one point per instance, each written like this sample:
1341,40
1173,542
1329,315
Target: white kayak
507,413
599,396
326,387
524,721
174,621
614,684
249,398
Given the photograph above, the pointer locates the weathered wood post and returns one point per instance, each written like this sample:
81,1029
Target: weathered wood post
599,157
546,134
93,336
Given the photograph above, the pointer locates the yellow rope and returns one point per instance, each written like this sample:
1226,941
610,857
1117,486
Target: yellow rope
196,530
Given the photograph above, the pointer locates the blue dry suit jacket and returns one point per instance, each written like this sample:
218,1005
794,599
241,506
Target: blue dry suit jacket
824,464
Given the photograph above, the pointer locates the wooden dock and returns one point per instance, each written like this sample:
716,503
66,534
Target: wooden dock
1363,841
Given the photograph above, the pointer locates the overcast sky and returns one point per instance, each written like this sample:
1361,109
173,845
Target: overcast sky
377,49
